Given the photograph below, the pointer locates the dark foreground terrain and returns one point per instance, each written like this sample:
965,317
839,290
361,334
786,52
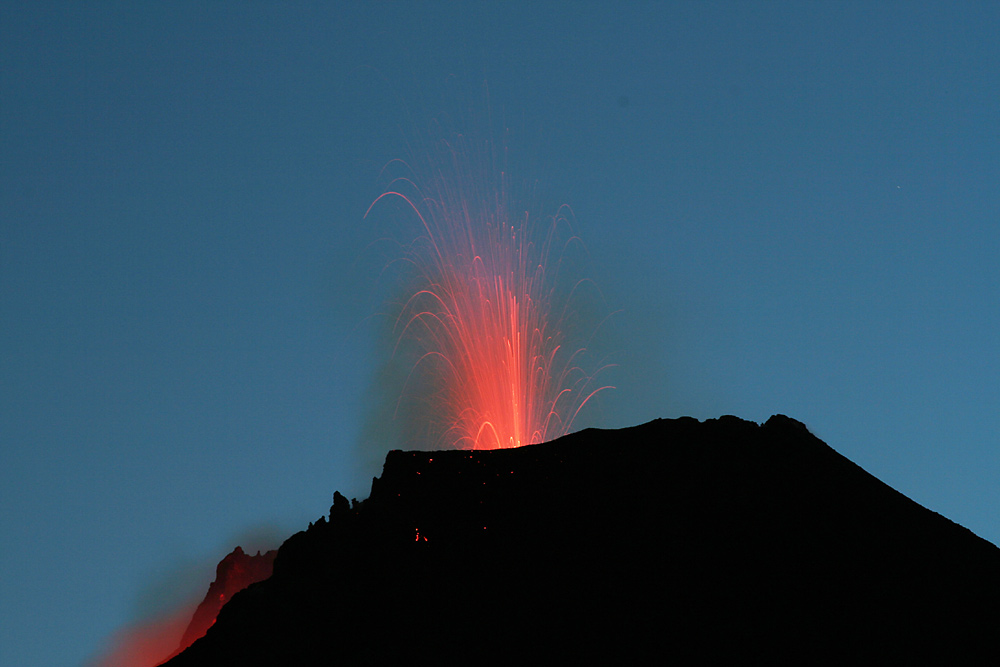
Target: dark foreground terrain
675,541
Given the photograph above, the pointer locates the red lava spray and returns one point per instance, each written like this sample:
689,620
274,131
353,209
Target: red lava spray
494,316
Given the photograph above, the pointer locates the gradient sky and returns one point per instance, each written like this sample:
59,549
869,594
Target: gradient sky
794,206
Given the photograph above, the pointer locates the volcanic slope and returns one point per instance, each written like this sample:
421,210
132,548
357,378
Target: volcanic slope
676,540
234,573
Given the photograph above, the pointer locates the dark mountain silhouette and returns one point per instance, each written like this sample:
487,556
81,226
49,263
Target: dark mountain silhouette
677,540
233,573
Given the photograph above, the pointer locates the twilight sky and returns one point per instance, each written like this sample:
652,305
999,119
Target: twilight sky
794,206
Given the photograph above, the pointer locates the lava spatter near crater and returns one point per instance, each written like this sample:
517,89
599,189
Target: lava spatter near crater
492,316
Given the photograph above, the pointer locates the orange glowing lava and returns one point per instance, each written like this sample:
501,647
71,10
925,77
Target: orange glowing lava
491,314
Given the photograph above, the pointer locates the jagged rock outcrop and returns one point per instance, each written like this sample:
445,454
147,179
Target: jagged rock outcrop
676,540
233,573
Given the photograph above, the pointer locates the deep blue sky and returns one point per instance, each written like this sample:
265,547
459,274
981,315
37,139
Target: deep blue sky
797,211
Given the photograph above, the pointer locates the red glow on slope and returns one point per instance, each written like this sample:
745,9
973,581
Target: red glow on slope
234,573
154,642
498,350
147,644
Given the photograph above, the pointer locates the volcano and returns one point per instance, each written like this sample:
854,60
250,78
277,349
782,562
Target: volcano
677,540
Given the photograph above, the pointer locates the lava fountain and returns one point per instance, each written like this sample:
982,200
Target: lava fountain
494,318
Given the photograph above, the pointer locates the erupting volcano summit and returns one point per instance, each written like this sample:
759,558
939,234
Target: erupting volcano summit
677,540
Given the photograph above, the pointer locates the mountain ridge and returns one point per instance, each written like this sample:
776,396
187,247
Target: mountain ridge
720,539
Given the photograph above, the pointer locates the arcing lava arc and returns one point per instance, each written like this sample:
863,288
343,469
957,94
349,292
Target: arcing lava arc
494,318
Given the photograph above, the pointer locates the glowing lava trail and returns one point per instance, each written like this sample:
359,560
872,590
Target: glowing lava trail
494,319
